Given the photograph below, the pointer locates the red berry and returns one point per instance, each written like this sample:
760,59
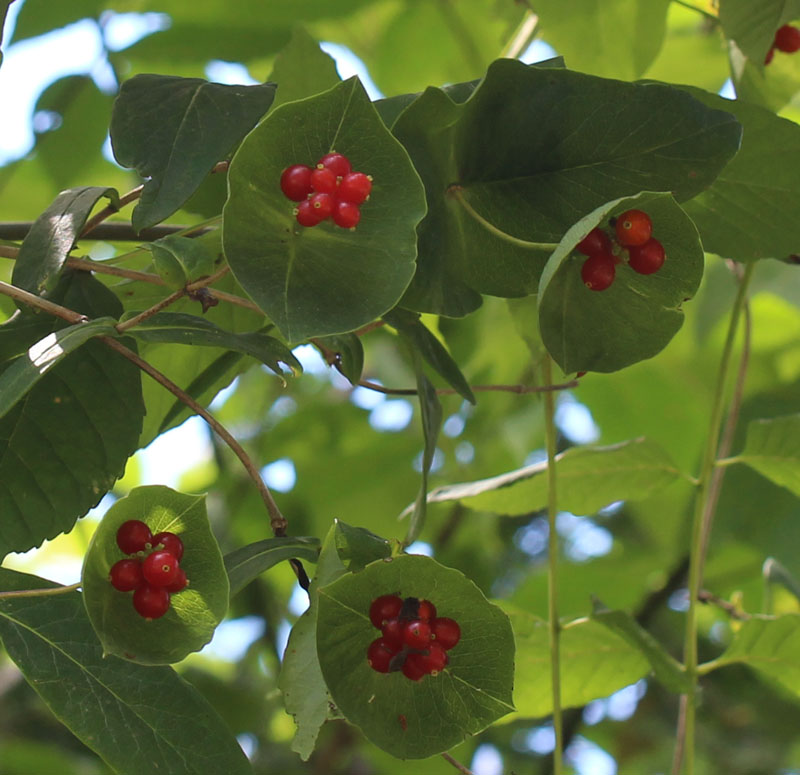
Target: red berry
180,582
417,634
596,241
336,163
427,610
392,633
323,204
446,632
306,214
379,656
346,215
169,542
787,39
633,227
126,575
383,608
770,56
598,271
133,536
296,182
323,180
354,188
414,667
151,602
647,258
160,569
435,660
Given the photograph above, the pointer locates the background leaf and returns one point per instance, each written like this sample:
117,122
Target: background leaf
302,69
753,25
773,450
357,546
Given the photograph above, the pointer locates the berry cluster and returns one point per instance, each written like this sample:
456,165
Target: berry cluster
787,40
154,573
632,234
329,190
413,639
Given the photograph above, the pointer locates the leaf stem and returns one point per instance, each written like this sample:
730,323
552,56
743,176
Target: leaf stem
685,739
455,191
520,389
110,209
552,568
523,36
457,764
39,592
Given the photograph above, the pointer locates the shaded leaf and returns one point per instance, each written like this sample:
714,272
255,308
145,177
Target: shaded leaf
753,25
409,719
322,280
123,711
349,353
357,546
37,17
194,612
772,448
248,562
302,69
174,130
180,260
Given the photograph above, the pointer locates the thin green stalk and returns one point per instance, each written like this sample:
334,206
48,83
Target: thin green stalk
455,191
39,592
695,567
552,567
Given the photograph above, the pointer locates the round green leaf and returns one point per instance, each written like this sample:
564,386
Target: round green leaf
324,279
409,719
637,316
194,612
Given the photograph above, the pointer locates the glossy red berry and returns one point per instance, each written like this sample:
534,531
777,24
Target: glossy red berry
787,39
133,536
435,660
336,162
414,667
296,182
323,204
169,542
383,608
633,227
306,214
596,241
180,582
150,602
354,188
346,215
427,610
160,568
379,656
598,271
126,575
647,258
392,633
446,632
417,634
323,180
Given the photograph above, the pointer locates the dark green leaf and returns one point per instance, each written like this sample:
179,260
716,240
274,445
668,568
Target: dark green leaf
773,449
322,280
180,328
431,349
636,317
40,16
248,562
125,712
180,260
194,612
357,546
349,354
409,719
302,69
174,130
49,241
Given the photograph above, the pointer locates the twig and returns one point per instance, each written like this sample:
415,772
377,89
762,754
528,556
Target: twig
39,592
111,232
278,522
520,389
110,209
8,251
522,37
369,327
32,300
704,596
150,311
457,764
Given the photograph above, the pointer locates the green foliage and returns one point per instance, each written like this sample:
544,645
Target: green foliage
772,450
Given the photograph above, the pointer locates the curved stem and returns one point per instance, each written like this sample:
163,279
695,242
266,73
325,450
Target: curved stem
552,568
520,389
110,209
39,592
455,192
686,730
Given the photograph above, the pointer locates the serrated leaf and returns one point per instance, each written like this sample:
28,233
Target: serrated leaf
357,546
64,446
409,719
768,645
634,319
349,354
52,236
194,612
174,130
180,260
26,370
772,448
123,711
180,328
248,562
595,662
431,349
666,668
302,69
305,693
322,280
588,479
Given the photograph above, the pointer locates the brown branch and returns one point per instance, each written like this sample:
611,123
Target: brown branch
278,522
32,300
520,389
110,232
704,596
369,327
8,251
110,209
457,764
150,311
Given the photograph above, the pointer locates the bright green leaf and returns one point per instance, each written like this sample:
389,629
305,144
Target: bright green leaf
302,69
773,449
357,546
180,260
194,613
